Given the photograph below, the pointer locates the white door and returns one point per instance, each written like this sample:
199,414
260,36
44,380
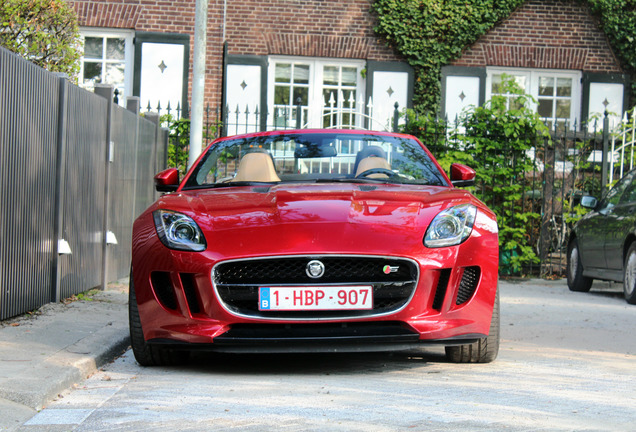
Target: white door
388,88
461,93
243,98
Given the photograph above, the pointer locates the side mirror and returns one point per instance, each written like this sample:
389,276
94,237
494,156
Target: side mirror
589,202
167,181
462,175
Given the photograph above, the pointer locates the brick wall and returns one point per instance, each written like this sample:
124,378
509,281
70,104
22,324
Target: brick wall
551,34
317,28
162,16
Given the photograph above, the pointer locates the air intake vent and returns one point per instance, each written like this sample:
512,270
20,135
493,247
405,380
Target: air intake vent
440,291
190,290
164,290
468,285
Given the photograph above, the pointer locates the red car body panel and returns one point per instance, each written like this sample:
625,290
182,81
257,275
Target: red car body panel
315,219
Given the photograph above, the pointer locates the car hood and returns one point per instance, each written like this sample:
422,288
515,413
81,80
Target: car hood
315,217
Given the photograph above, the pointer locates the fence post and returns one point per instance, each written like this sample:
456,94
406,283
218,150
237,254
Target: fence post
106,91
133,104
154,118
299,112
605,162
60,171
547,208
396,117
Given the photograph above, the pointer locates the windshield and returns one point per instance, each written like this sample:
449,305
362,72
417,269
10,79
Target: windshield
315,157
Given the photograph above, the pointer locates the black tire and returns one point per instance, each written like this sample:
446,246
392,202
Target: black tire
629,275
485,350
147,354
576,281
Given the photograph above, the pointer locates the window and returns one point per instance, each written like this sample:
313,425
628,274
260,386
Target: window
330,92
107,60
291,88
497,89
557,93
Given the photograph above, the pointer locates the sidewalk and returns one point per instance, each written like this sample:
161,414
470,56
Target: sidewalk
59,345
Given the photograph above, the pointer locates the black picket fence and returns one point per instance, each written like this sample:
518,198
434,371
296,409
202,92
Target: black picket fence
538,197
550,177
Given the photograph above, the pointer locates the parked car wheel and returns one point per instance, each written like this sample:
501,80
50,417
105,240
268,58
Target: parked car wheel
483,351
576,280
146,354
629,279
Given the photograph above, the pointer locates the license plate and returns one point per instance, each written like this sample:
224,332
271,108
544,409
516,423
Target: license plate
315,298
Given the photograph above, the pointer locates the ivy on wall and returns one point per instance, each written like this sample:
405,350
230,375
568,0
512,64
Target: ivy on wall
618,21
432,33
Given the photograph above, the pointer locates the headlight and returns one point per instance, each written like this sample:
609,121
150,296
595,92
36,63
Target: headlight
451,226
178,231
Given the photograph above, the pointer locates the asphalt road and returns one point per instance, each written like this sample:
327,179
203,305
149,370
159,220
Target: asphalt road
567,363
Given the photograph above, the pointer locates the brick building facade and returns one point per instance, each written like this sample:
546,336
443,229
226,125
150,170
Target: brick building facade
263,57
553,45
262,39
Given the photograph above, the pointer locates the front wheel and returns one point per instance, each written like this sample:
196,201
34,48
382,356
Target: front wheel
629,275
485,350
576,280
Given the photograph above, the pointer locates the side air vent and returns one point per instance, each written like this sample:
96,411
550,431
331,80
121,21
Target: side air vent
164,290
468,284
440,291
190,290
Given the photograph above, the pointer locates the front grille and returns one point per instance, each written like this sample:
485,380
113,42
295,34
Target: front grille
237,282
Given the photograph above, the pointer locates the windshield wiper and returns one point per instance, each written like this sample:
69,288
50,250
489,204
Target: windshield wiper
357,180
229,184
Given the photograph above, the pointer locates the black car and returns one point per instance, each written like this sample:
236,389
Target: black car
603,243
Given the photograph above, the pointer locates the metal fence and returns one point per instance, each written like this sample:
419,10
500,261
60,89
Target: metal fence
549,177
539,194
75,172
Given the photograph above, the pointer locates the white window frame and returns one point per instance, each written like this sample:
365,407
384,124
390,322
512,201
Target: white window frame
313,114
129,46
532,77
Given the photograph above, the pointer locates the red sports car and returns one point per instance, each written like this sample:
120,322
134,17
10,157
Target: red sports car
315,240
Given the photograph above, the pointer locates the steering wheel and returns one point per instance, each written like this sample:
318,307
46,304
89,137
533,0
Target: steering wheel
384,171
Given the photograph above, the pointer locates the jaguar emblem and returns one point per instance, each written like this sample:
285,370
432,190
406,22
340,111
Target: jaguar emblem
315,269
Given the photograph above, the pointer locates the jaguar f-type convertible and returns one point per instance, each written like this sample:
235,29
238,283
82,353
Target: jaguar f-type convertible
315,241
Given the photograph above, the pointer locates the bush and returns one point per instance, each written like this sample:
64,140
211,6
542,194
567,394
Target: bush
495,140
179,144
44,32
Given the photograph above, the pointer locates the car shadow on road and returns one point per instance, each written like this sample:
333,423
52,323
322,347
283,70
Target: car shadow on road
318,364
607,290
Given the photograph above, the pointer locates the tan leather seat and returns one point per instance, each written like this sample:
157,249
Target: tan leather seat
257,167
373,162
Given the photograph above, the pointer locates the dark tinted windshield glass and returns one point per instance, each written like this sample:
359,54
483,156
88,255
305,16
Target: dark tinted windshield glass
315,157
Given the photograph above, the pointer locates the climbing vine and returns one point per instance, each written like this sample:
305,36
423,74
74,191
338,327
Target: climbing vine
618,21
433,33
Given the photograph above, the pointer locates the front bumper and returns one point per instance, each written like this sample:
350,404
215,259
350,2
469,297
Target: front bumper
180,298
308,338
451,304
